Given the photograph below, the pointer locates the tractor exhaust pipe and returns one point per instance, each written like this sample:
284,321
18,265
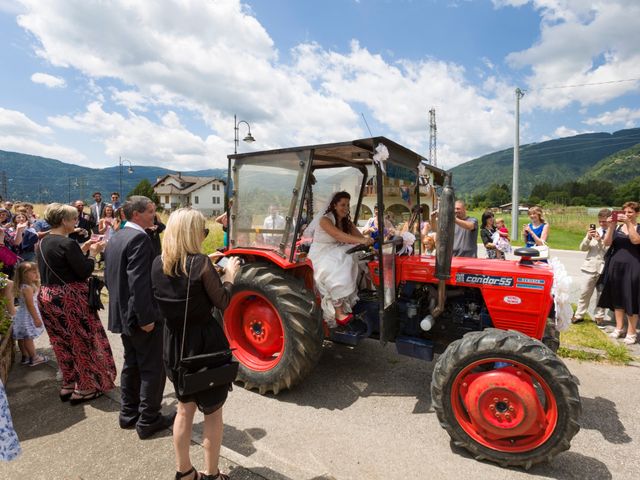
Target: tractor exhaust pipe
444,247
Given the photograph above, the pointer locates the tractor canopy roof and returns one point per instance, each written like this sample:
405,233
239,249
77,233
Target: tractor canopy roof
355,153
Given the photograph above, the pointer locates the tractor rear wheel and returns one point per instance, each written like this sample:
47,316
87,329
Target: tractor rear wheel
275,327
506,398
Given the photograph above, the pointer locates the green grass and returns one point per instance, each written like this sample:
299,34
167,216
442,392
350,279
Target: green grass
567,225
587,335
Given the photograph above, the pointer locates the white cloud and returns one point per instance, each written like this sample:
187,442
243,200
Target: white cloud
50,81
627,117
18,133
17,123
581,42
470,120
145,142
212,58
36,147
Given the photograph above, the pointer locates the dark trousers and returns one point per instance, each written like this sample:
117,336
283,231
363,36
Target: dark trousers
143,377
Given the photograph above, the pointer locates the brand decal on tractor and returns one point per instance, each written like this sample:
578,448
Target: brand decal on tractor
530,287
536,281
479,279
512,300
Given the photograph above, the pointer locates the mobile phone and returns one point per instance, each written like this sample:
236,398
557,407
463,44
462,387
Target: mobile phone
614,215
592,226
97,238
222,263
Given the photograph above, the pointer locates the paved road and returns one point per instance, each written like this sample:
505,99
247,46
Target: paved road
365,412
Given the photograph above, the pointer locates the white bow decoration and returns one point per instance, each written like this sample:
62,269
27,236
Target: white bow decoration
381,156
408,239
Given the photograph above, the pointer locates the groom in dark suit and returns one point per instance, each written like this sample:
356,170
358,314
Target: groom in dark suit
134,314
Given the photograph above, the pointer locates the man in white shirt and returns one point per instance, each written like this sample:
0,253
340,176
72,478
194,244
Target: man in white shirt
274,221
592,268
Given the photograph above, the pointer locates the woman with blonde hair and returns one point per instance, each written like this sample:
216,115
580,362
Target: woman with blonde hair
182,268
75,331
536,232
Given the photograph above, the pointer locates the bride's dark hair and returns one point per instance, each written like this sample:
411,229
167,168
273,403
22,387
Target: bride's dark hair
345,223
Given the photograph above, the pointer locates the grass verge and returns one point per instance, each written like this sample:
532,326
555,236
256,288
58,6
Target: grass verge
585,341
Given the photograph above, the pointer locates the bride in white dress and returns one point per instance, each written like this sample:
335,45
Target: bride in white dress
334,271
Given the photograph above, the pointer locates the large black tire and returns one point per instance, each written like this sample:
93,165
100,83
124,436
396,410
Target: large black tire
532,359
302,335
551,336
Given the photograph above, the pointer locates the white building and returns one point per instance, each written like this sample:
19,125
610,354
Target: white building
205,194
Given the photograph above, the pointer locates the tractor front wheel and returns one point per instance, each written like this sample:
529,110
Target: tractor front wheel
506,398
275,328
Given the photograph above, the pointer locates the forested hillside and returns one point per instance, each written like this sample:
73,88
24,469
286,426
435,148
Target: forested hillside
553,162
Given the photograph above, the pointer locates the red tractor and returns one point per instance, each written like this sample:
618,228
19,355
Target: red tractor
498,387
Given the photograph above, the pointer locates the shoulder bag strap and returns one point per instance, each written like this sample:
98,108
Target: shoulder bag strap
186,307
47,264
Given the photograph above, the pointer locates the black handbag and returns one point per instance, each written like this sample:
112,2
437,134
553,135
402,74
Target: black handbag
199,373
95,288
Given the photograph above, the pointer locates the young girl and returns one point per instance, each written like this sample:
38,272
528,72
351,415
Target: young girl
504,240
107,223
27,324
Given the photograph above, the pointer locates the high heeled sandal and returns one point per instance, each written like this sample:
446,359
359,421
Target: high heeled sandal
218,476
343,321
64,397
84,397
196,474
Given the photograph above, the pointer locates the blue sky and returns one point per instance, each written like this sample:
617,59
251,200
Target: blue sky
158,82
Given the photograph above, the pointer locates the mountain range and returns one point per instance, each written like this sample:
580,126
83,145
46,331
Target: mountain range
608,156
40,179
580,157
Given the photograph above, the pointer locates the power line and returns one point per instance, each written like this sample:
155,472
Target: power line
587,84
569,144
534,155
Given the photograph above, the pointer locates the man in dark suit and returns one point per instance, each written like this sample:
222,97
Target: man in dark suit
134,314
82,232
96,210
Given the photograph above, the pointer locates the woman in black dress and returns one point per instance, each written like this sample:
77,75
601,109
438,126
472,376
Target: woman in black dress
486,235
621,290
182,262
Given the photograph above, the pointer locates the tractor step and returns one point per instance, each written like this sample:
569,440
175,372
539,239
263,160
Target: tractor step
415,347
352,334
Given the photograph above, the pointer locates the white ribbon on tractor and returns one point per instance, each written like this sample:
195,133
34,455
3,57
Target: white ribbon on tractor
408,240
561,287
381,156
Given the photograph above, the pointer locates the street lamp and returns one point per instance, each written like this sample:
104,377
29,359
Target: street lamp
129,170
236,141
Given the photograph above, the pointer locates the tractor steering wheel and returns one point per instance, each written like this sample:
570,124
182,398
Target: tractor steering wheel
361,247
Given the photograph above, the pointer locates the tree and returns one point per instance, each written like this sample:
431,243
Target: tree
146,189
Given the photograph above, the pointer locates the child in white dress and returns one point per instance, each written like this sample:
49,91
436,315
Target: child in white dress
27,324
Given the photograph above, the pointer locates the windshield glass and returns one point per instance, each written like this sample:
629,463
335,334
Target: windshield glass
266,199
328,181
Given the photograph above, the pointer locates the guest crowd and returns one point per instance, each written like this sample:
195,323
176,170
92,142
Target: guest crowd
162,295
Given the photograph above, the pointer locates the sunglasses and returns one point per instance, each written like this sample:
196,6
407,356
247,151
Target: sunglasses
206,232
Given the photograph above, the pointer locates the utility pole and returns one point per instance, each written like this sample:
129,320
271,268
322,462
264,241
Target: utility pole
515,207
433,132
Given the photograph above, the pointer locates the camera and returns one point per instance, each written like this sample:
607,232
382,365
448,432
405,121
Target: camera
615,214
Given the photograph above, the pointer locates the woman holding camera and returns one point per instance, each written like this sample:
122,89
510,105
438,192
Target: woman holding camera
180,268
621,290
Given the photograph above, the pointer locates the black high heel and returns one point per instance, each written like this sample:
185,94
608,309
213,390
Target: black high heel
180,475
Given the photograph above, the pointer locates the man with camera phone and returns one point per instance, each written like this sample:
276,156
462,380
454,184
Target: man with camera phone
592,268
